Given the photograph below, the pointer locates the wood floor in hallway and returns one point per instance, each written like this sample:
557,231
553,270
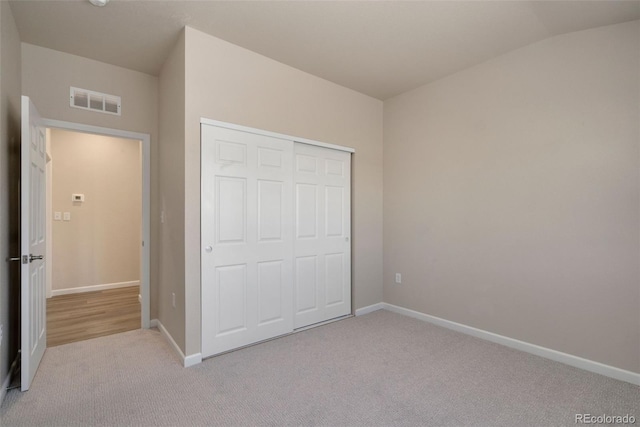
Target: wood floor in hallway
78,317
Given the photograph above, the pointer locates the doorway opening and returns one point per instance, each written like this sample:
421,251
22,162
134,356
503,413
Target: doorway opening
98,226
94,209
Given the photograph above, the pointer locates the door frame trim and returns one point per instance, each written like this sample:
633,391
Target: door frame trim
145,140
204,121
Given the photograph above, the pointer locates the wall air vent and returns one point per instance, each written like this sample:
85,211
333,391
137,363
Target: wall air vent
94,101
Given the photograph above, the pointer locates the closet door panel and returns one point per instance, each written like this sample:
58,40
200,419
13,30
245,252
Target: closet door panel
335,277
270,205
306,211
322,234
334,211
271,285
232,298
247,240
306,288
231,210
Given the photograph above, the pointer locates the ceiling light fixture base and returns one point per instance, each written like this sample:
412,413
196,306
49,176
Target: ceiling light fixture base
99,3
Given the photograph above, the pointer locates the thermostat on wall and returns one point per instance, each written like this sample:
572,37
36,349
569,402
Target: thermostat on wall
77,197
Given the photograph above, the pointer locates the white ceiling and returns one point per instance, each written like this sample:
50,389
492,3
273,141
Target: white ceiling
380,48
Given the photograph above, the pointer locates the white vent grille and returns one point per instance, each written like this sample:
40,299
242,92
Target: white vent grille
94,101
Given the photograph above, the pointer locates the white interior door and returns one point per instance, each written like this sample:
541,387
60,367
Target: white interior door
247,238
33,242
322,265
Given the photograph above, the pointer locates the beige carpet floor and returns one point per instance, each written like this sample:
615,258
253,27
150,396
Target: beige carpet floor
381,369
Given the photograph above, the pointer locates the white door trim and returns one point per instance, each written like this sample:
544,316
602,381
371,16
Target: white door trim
145,140
49,215
248,129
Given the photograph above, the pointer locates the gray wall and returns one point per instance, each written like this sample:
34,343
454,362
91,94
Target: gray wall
9,191
511,196
171,176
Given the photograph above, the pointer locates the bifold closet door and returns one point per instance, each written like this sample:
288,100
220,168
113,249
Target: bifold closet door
322,265
247,238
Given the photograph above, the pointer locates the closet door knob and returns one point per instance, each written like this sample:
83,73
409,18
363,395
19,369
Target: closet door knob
208,249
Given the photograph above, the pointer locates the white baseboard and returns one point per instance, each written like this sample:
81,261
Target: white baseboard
92,288
369,309
190,360
567,359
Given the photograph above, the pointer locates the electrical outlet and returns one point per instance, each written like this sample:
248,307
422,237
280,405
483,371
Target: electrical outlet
173,299
398,278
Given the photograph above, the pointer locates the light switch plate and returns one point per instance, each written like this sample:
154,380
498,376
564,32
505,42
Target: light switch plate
67,216
57,216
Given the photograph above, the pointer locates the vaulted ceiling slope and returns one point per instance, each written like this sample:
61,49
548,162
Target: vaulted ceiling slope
380,48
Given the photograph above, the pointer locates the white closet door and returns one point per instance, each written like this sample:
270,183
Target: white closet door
247,238
322,264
